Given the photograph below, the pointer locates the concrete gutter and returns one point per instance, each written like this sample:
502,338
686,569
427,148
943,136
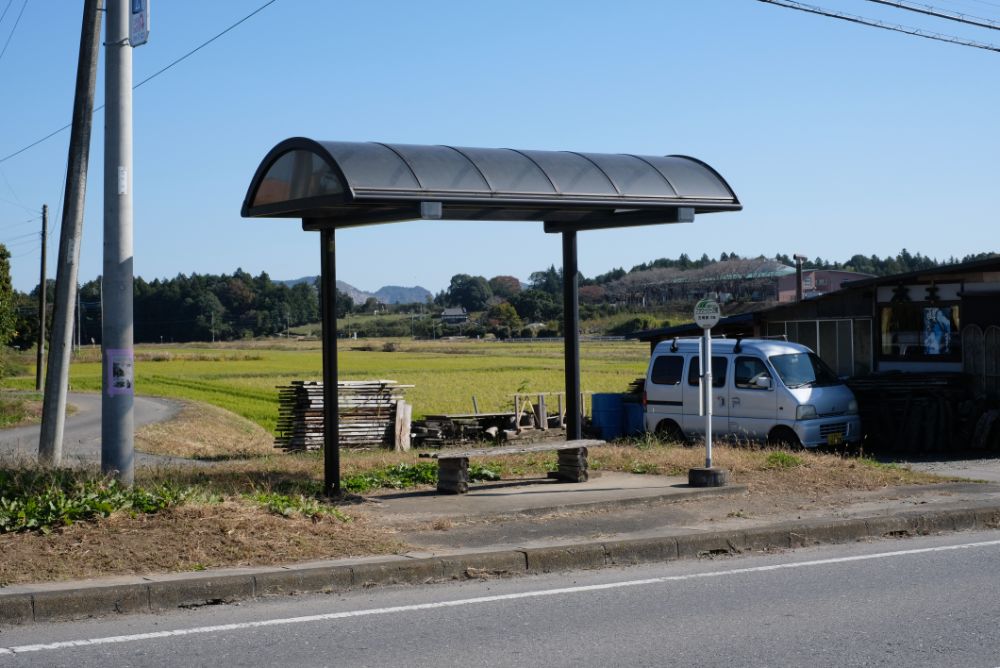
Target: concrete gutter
127,595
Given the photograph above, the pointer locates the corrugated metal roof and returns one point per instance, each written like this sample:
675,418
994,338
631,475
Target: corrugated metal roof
349,183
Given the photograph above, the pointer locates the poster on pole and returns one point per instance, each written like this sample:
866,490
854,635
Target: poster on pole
138,24
121,372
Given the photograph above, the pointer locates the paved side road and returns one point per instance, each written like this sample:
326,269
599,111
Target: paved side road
927,601
82,434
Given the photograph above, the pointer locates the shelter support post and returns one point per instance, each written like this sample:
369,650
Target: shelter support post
328,305
571,337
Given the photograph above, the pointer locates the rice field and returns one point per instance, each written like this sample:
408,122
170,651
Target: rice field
243,378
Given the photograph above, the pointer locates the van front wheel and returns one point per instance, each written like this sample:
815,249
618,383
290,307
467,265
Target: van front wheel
784,437
668,430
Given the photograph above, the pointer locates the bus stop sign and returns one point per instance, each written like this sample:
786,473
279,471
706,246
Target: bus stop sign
707,313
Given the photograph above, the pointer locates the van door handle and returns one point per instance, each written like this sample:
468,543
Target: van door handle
722,401
735,401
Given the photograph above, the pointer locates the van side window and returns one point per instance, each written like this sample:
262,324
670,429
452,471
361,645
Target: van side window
667,370
718,371
746,372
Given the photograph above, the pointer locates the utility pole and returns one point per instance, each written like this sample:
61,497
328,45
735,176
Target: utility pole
117,354
57,374
42,285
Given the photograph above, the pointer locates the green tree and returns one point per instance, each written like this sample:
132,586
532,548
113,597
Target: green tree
471,292
8,303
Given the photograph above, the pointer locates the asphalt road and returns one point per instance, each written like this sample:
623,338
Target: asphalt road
82,431
931,601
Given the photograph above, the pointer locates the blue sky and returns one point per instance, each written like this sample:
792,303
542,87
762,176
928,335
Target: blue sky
837,138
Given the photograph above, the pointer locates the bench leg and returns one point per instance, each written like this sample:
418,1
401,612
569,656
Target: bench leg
572,465
453,475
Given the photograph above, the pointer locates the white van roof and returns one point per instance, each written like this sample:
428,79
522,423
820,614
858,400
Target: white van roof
765,347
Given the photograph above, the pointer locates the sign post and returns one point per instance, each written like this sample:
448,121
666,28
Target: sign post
707,314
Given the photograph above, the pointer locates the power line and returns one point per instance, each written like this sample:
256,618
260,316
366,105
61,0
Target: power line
14,29
9,3
147,79
930,10
852,18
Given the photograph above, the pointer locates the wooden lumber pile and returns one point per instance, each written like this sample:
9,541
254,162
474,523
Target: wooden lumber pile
916,413
372,413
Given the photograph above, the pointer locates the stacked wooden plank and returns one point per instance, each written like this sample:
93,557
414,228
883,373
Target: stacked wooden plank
916,413
369,410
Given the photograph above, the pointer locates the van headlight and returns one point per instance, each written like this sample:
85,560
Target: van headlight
805,412
852,407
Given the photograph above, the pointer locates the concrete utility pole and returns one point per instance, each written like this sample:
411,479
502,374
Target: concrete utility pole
57,375
42,285
117,354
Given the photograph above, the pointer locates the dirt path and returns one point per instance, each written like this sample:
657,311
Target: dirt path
82,434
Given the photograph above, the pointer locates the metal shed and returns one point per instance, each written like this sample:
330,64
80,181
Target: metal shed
332,185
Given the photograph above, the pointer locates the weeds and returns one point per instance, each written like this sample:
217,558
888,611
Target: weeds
289,505
41,500
782,460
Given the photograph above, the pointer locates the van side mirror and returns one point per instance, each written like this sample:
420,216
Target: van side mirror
762,382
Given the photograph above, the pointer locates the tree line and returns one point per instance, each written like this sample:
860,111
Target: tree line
206,307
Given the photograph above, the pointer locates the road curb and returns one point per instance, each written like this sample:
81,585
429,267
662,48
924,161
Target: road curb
75,600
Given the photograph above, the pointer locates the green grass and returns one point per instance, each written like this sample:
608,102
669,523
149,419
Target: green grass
35,499
13,409
781,460
445,374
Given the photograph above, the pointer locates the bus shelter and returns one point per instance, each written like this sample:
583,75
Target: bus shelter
331,185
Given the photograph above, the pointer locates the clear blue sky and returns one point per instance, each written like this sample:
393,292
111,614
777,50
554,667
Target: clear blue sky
837,138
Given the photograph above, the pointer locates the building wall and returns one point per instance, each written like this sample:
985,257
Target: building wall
816,282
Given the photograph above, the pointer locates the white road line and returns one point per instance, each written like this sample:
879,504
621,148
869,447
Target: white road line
109,640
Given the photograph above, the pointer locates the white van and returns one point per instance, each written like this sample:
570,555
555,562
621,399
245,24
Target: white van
764,390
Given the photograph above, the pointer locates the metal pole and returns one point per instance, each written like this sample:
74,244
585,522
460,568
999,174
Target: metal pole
42,286
571,337
328,306
57,375
118,356
707,366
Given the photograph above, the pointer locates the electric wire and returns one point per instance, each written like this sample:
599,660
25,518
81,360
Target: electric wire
930,10
9,3
853,18
18,204
13,30
147,79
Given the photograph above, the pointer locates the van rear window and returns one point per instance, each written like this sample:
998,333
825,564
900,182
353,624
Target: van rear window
718,371
667,370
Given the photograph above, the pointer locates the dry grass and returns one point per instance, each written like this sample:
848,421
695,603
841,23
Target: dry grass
235,531
201,431
186,538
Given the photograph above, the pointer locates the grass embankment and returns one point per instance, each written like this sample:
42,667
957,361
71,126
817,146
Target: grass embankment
268,509
242,378
19,409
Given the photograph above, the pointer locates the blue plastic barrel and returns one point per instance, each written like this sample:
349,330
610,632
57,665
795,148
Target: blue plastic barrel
607,415
634,419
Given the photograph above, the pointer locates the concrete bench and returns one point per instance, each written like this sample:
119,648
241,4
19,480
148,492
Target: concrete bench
453,467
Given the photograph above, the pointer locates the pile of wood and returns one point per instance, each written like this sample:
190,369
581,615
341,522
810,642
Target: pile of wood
372,413
915,413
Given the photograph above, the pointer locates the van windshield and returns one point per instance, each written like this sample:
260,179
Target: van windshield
803,370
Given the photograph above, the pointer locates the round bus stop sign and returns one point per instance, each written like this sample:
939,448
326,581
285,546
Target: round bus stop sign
707,313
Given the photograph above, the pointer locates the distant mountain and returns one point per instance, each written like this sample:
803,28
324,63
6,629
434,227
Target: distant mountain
397,294
389,294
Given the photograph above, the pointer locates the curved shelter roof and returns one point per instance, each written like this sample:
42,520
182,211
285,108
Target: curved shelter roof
339,184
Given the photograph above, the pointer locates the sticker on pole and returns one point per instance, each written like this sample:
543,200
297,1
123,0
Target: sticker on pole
707,313
121,372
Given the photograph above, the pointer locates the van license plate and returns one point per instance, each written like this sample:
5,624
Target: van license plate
834,439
